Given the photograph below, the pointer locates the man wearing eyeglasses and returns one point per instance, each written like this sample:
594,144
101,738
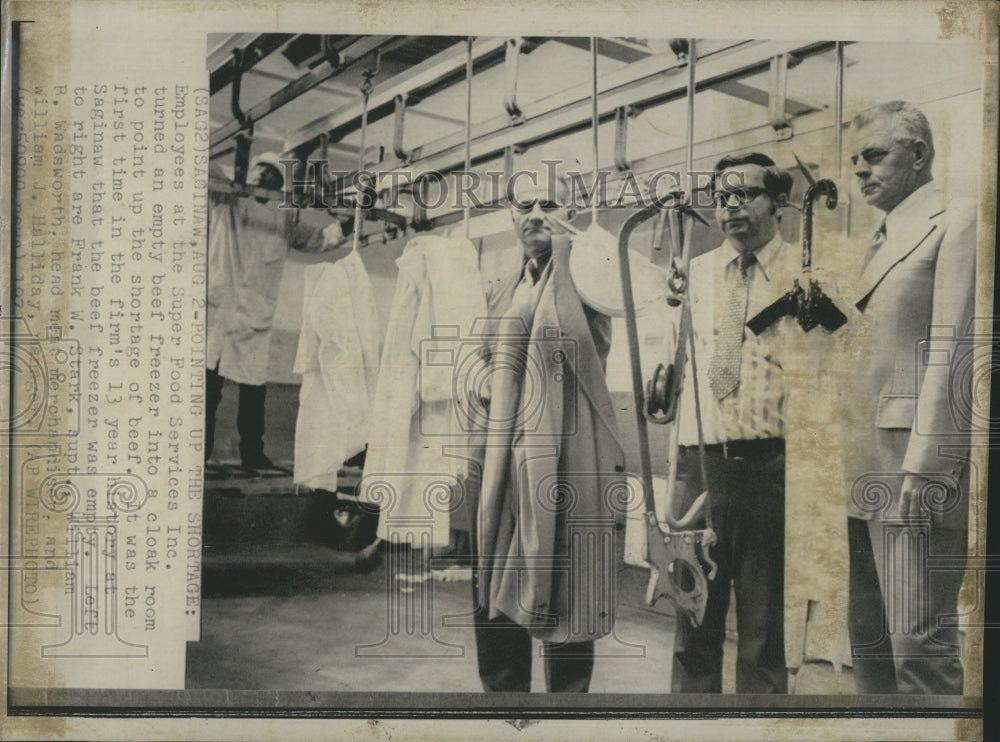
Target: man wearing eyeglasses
742,398
550,460
904,423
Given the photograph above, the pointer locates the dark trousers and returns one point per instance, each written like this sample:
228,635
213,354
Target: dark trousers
504,651
249,417
748,512
902,613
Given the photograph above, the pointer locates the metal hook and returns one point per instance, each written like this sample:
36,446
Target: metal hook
621,139
511,62
239,56
400,103
367,86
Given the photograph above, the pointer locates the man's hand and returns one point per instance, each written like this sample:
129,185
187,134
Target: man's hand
333,236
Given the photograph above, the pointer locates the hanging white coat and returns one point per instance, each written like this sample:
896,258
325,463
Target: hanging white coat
414,466
338,357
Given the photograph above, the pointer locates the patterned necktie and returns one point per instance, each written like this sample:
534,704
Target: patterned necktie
724,371
878,239
525,299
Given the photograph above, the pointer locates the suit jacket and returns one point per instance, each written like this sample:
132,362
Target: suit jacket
552,459
915,301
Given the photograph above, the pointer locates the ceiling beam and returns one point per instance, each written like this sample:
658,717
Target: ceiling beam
419,81
751,94
617,49
341,91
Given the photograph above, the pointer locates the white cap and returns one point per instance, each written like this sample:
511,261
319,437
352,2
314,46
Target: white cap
270,158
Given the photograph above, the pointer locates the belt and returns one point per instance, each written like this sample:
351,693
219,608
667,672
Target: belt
759,448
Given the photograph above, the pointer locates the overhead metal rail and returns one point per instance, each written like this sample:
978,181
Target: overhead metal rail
346,57
641,85
255,50
420,81
648,82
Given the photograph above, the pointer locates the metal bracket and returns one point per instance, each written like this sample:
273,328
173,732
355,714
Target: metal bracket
511,68
681,48
234,101
778,115
508,164
241,165
245,134
369,73
622,115
330,51
400,102
676,568
420,220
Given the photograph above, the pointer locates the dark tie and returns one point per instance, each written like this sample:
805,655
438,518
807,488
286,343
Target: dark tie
531,271
524,299
878,239
724,371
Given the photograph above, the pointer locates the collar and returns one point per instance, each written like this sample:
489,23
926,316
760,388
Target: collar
914,205
766,255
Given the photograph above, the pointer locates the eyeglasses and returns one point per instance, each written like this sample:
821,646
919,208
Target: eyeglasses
524,207
736,197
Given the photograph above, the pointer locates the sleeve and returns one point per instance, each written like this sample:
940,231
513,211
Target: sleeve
939,417
216,173
308,238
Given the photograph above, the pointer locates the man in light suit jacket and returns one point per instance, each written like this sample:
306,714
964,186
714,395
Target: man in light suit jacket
907,464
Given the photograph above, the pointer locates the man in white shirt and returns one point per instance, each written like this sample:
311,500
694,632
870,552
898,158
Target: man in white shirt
742,396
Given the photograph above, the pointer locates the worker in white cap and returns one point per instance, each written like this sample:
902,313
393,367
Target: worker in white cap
249,239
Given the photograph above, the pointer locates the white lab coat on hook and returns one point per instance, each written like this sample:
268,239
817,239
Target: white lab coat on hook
338,357
410,471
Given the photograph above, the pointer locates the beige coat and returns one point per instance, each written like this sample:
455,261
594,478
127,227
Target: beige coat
546,514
